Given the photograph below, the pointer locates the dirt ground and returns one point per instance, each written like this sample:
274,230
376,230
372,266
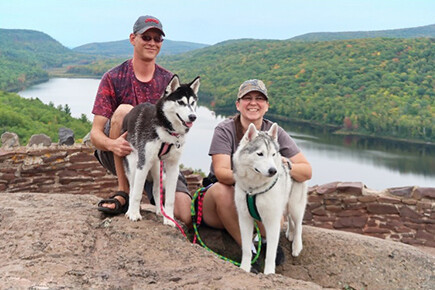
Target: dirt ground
60,241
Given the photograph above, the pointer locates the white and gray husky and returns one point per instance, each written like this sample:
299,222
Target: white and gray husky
158,132
264,187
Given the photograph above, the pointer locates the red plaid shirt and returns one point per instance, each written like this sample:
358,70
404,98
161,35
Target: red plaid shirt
120,86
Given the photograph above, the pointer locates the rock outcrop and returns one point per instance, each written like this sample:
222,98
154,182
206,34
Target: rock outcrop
60,241
54,241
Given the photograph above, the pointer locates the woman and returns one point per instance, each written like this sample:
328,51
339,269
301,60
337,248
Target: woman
219,210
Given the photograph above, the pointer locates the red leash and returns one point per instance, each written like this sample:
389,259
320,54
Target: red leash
161,201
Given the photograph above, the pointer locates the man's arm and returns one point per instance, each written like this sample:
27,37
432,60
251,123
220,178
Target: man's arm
222,168
118,146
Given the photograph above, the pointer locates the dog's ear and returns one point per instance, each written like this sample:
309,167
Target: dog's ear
173,85
273,132
250,134
194,85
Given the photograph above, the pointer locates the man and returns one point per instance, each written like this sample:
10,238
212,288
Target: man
219,209
135,81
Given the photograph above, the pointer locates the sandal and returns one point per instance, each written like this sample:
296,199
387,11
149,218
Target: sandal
118,207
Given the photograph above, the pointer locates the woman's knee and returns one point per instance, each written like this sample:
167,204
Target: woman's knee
223,194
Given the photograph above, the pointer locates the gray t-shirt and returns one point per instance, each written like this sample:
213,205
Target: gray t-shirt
225,140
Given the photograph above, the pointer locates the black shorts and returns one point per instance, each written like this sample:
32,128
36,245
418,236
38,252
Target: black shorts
106,159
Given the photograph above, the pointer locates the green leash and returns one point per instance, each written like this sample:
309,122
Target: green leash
199,194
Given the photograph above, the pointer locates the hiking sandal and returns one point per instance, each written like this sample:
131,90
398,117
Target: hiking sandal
119,209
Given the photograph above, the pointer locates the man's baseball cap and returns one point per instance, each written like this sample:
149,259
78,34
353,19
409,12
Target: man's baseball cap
145,23
250,86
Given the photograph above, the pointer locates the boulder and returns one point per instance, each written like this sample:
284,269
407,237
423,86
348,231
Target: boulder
39,140
66,136
10,140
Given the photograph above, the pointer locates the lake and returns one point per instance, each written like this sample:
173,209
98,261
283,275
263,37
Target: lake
377,163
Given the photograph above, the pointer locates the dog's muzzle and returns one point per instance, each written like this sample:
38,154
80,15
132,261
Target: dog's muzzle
192,118
271,172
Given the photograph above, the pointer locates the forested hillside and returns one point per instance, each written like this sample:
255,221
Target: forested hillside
27,117
382,87
377,86
25,56
414,32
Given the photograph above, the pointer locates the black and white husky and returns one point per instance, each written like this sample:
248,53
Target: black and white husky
265,190
158,132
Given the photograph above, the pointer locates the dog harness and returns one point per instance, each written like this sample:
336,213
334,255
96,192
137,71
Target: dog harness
251,200
164,149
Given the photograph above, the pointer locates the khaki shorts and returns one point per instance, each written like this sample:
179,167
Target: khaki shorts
106,159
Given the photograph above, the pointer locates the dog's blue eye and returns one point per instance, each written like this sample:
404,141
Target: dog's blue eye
180,102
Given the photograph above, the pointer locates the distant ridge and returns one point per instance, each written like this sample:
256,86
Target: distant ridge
415,32
124,48
29,40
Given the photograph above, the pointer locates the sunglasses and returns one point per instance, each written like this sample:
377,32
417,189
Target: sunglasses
147,38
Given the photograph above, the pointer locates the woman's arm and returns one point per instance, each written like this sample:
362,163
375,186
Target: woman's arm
222,168
301,168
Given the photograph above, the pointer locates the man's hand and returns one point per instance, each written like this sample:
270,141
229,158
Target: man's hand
120,146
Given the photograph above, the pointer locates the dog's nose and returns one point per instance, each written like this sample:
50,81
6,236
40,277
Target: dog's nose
272,171
192,117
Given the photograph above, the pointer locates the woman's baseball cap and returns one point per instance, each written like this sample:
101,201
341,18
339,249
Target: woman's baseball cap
250,86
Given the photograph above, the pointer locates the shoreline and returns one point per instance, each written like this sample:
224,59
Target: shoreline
336,130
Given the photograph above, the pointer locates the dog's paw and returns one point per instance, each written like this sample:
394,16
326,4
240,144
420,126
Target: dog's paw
296,248
168,222
133,216
246,267
270,270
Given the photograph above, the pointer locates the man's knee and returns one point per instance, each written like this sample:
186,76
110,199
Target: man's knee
182,207
119,114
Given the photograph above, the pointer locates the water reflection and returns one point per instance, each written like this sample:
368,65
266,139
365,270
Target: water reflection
394,156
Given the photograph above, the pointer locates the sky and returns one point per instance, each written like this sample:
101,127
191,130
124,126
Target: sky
77,22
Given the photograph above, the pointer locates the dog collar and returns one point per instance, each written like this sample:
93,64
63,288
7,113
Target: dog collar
264,191
173,133
176,135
